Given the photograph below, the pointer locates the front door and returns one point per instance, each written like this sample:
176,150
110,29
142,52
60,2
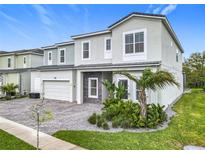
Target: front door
92,87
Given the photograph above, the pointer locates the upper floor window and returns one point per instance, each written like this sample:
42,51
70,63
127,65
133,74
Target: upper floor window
134,42
62,56
177,55
86,50
108,44
50,58
9,62
24,60
108,48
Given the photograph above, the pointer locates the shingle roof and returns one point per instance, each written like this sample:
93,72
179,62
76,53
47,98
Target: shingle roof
137,13
58,44
39,51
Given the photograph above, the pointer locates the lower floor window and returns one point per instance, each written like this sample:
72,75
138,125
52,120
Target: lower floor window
124,82
137,92
93,87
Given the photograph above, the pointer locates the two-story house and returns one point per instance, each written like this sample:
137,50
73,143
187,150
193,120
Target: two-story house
15,67
133,43
56,78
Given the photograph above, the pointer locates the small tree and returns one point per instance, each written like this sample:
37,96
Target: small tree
114,91
40,115
9,88
150,80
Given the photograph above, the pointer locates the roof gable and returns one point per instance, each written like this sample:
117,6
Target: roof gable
151,16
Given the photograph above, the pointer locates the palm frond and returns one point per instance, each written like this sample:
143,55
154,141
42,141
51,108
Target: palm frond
128,75
163,78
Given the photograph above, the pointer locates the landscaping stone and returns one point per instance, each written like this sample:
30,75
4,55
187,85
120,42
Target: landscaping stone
67,116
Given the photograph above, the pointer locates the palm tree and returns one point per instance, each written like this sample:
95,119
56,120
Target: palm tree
149,80
9,88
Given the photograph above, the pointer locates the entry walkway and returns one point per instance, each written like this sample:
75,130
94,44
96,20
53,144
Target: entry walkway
28,135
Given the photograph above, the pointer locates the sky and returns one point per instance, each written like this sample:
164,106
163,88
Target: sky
35,26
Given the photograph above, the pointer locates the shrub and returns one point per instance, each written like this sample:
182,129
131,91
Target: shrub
203,88
105,126
126,114
116,121
100,120
92,119
155,115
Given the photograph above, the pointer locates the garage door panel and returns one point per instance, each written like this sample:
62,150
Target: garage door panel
59,90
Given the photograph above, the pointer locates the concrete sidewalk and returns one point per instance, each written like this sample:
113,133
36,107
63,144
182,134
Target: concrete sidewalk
28,135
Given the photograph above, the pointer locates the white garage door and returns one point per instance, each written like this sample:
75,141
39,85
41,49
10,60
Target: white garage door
58,90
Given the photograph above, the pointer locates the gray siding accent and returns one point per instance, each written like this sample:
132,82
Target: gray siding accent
25,79
96,50
86,99
69,59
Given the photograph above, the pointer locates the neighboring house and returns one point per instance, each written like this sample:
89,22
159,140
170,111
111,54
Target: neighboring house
133,43
15,67
56,78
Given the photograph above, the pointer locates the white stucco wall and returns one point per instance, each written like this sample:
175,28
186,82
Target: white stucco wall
53,75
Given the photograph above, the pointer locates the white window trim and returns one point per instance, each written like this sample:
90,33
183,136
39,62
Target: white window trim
24,64
50,62
135,56
59,62
107,53
89,88
8,62
87,41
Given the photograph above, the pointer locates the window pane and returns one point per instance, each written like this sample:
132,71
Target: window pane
62,59
137,93
49,56
62,52
86,50
93,91
9,62
129,38
129,48
85,46
24,60
177,57
108,44
137,37
93,83
141,36
139,47
85,54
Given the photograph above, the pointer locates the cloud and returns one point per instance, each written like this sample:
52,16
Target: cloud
74,7
157,10
44,15
9,18
149,8
19,32
168,9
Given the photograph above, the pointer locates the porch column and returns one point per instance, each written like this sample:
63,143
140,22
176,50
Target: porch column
79,87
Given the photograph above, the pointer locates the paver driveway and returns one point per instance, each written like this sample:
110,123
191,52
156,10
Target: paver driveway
67,115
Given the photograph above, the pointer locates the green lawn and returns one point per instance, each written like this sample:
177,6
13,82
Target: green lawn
187,127
9,142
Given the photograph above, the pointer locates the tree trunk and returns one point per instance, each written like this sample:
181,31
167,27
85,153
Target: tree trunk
143,104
